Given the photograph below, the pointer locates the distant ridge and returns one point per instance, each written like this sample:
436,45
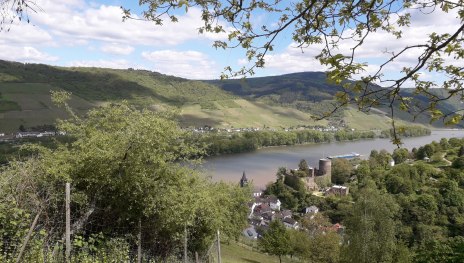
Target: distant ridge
275,101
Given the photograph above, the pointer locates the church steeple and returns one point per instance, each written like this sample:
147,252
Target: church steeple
244,180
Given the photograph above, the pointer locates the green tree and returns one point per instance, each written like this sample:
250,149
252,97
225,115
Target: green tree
450,251
379,159
325,248
458,163
400,155
461,151
303,166
125,166
371,228
341,171
299,243
444,144
276,240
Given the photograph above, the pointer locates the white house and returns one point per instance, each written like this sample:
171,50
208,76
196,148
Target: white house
290,223
311,210
274,203
392,162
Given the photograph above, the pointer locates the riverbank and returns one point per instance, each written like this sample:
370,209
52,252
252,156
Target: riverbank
249,141
261,165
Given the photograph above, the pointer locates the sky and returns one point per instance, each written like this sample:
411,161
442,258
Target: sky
92,33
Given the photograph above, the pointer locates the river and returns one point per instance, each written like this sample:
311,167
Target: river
261,165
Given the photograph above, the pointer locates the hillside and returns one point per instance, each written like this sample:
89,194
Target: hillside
25,97
275,101
309,92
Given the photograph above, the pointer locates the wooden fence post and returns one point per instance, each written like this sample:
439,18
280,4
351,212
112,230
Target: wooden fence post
139,241
185,245
219,247
68,222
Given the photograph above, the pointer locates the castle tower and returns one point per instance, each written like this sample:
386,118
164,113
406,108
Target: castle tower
325,167
244,180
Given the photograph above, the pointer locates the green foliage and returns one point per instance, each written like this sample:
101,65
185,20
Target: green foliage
6,105
458,163
318,247
324,248
341,171
450,251
252,140
400,155
379,159
276,240
303,166
124,165
371,228
406,131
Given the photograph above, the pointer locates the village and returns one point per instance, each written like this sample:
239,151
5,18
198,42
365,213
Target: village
28,134
263,209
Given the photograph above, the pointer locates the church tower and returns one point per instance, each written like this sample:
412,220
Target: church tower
244,180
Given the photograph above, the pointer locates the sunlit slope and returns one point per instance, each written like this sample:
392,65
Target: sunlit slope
25,97
244,113
273,102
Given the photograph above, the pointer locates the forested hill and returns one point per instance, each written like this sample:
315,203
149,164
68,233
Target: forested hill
102,84
276,101
310,91
309,86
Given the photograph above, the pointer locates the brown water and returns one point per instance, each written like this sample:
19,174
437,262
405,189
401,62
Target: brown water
261,165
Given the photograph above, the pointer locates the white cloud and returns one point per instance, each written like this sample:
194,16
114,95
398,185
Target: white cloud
381,45
116,64
188,64
75,20
294,59
376,49
25,54
117,49
25,34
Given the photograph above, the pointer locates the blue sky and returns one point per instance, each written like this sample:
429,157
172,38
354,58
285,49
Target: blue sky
91,33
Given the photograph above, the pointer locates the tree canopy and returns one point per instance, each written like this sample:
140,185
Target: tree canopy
125,166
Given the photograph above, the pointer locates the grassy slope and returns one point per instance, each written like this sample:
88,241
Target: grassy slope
25,96
246,114
307,89
35,105
235,253
25,90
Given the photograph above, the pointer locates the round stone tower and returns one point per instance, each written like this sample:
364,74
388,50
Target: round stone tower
325,167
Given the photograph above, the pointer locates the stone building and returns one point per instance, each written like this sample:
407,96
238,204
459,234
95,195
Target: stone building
319,177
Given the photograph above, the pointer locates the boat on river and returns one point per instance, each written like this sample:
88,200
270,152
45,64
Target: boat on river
345,156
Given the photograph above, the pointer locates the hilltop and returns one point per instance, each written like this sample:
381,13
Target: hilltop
275,101
25,97
310,92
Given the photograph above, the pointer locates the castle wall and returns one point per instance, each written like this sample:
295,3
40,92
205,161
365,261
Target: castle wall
321,177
